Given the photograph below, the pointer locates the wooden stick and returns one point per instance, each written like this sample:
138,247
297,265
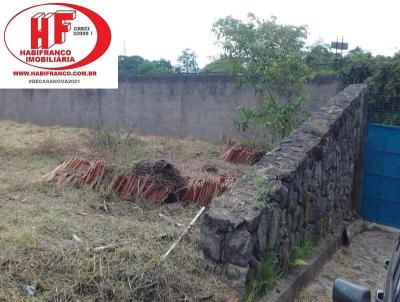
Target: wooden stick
183,233
76,238
108,246
170,220
105,206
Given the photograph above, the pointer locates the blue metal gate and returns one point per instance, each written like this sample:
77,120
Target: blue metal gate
381,179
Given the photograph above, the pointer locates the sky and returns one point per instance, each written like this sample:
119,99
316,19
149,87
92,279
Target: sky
157,29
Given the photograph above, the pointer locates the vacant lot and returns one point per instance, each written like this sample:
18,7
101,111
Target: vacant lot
48,235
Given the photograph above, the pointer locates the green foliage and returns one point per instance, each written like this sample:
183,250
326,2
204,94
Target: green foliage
279,119
187,62
121,143
262,188
384,87
103,136
354,68
271,272
320,59
261,184
357,67
266,54
380,73
386,117
385,79
303,250
136,65
221,65
323,227
249,176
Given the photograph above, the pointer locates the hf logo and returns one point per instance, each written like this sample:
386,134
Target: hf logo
57,36
51,28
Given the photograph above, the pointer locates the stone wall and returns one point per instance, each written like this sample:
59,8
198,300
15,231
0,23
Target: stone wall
306,184
197,106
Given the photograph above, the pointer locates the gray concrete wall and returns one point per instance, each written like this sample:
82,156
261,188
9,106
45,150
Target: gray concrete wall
304,186
181,106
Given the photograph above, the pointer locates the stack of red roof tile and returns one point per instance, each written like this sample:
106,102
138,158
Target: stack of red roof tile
140,187
241,155
203,191
99,173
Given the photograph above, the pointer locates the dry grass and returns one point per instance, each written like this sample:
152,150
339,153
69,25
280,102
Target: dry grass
341,265
39,219
188,155
311,297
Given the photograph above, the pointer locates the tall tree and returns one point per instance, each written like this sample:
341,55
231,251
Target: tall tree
268,56
188,62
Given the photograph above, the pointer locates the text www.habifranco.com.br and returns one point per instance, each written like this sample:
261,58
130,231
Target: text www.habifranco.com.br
55,73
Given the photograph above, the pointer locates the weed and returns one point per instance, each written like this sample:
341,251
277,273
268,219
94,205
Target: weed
4,151
323,227
303,250
314,186
271,272
242,202
102,136
249,176
262,188
318,127
49,146
20,237
129,153
262,185
111,138
121,145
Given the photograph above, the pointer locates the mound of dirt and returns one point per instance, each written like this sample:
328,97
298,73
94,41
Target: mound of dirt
161,172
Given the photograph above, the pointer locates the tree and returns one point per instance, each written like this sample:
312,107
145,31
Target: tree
357,66
382,75
268,56
320,59
384,87
220,65
187,62
136,65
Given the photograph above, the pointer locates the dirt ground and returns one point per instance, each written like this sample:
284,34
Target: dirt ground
40,257
361,262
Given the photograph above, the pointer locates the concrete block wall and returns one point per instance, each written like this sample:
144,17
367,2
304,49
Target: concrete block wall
197,106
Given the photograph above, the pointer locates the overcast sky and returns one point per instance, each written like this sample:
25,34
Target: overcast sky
157,29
